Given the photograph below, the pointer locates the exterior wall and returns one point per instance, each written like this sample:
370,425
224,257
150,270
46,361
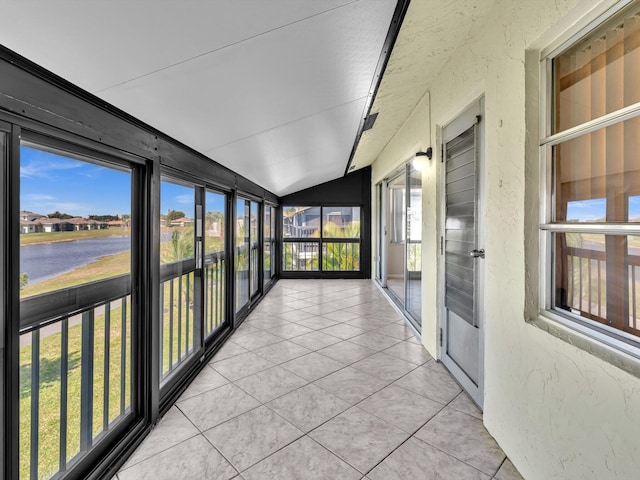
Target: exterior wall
414,136
558,411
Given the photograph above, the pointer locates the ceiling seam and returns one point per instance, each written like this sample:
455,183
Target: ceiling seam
287,123
204,54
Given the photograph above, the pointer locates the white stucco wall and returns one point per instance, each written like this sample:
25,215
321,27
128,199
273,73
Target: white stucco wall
557,411
415,136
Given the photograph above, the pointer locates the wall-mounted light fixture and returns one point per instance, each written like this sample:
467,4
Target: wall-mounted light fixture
428,153
418,162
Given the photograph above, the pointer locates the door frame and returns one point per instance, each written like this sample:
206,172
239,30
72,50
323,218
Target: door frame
472,114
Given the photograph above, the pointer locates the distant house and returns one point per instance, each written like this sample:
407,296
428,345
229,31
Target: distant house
78,223
30,216
34,222
96,225
115,224
182,222
56,225
30,226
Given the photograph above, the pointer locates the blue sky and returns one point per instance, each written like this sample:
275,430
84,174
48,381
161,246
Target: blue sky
595,209
179,197
50,182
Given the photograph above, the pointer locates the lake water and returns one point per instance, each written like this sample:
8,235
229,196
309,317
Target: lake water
41,262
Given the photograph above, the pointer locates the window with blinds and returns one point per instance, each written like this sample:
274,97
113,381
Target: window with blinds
592,155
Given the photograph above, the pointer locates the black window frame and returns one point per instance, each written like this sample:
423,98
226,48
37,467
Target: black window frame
320,241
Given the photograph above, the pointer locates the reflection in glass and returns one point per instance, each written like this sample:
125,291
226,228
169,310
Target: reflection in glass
255,246
597,175
214,262
214,222
596,277
176,224
301,222
396,220
267,243
413,272
594,210
341,222
242,253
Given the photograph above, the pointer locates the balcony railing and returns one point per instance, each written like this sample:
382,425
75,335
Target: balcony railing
340,256
214,292
177,307
586,289
75,373
587,285
254,256
300,256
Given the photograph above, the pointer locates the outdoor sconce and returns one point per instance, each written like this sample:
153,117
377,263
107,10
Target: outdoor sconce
419,163
428,153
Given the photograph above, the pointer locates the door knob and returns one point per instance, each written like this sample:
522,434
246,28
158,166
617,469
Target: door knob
477,253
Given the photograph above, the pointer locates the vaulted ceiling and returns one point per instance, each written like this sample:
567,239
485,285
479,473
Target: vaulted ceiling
274,90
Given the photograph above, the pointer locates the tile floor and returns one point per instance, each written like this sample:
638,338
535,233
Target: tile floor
322,381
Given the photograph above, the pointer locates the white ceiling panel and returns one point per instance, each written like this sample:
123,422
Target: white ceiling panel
275,90
313,144
131,38
263,82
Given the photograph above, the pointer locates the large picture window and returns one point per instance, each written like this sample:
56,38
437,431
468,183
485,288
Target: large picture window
321,239
591,227
76,315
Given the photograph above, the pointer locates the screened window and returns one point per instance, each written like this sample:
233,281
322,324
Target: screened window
591,229
321,239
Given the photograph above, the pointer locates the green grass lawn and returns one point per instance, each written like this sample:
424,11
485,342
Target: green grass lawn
50,387
50,390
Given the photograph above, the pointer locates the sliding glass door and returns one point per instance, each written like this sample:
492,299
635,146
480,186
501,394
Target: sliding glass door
247,252
178,276
413,271
269,239
400,239
214,261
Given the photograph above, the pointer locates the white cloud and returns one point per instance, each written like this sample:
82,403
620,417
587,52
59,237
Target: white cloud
44,169
36,197
185,199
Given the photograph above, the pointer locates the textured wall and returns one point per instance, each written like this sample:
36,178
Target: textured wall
557,411
415,136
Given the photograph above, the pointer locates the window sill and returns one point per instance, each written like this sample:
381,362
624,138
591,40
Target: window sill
614,352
